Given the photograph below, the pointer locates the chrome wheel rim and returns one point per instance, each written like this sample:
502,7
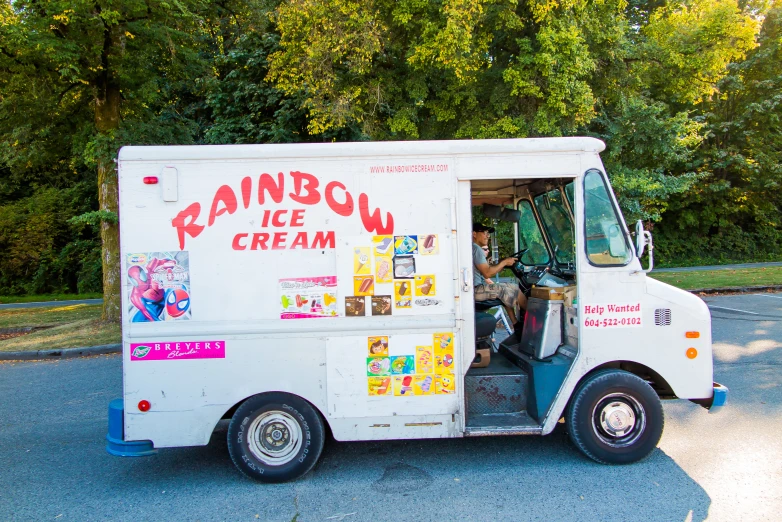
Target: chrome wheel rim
618,420
274,438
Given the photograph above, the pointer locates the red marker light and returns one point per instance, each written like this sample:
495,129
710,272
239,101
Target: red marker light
144,405
150,180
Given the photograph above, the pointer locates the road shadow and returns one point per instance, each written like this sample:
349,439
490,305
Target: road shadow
507,478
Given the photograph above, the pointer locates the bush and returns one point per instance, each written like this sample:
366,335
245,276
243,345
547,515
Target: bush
43,253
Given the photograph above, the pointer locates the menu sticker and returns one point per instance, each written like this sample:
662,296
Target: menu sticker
355,306
377,346
425,285
361,263
423,384
428,245
363,285
384,269
403,294
379,386
424,359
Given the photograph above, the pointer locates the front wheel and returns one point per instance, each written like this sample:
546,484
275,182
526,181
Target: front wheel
615,417
275,437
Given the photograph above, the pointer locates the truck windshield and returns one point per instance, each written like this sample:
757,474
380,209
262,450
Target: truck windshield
558,225
530,236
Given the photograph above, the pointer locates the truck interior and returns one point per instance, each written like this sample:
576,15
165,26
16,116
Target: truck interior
517,372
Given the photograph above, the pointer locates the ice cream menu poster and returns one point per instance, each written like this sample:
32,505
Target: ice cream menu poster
307,297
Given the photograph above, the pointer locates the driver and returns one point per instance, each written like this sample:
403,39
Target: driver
509,293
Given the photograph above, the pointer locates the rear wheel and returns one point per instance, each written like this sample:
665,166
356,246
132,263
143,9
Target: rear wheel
275,437
615,417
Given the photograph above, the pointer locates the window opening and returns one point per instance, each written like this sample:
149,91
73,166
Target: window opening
606,242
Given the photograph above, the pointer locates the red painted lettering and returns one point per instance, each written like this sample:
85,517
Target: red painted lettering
297,218
275,190
312,195
226,196
236,244
247,185
184,226
279,240
265,222
343,209
276,221
323,240
373,222
300,241
259,241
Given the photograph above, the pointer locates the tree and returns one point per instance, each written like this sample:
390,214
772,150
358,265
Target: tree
455,69
80,78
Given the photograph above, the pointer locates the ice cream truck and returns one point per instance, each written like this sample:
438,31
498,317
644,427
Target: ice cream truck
291,289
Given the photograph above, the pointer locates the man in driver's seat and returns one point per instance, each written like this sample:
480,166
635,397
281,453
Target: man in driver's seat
509,293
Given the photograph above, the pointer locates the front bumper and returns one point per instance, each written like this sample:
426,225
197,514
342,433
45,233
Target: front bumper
718,399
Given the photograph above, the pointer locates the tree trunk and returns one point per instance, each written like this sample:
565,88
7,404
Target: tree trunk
107,105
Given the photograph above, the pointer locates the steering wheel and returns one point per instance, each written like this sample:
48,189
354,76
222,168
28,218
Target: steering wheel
518,269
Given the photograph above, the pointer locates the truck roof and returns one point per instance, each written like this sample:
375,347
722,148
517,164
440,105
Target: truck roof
357,149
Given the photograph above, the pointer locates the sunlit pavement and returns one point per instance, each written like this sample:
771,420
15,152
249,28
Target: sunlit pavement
725,466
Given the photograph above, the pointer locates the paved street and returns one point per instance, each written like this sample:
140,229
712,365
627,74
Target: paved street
720,467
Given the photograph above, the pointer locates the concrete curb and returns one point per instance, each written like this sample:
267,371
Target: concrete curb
60,353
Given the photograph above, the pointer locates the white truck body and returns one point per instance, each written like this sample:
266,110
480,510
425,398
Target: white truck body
239,230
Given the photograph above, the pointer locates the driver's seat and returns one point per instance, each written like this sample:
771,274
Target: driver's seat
499,315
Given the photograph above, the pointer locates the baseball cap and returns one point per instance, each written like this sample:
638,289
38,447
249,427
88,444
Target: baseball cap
477,227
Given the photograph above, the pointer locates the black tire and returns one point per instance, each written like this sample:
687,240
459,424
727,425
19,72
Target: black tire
615,417
275,437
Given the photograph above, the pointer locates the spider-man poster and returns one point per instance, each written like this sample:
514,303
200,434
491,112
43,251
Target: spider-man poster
159,286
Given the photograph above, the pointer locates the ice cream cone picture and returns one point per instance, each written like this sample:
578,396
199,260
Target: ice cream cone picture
363,285
361,263
329,299
425,285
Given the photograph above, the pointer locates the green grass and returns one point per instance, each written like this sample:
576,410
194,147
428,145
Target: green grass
6,299
745,277
48,316
71,326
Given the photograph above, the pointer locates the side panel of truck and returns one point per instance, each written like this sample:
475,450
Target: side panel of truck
248,227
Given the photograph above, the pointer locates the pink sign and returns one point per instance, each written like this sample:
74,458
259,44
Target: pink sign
308,297
177,350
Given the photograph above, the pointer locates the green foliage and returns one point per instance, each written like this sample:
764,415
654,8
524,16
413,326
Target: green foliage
735,213
685,93
95,217
42,251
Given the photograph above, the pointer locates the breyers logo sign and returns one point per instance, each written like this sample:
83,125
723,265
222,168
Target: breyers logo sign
177,351
281,228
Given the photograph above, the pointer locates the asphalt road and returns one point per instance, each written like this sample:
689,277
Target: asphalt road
53,465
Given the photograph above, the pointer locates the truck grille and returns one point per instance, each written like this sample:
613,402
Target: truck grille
662,317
